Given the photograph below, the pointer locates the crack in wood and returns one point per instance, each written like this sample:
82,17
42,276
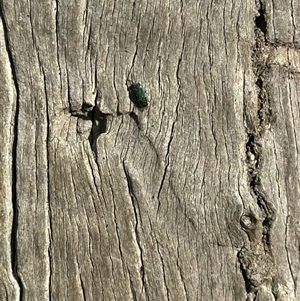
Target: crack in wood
15,218
256,260
260,20
99,127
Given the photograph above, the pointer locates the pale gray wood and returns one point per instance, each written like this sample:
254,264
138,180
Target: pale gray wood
9,289
194,197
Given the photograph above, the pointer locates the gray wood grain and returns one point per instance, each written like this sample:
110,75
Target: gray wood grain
194,197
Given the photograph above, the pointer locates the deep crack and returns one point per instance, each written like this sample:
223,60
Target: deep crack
99,127
15,217
256,259
260,20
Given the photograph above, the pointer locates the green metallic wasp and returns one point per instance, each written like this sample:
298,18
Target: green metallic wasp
137,95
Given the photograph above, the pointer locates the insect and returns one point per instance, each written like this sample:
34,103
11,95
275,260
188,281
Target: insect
137,95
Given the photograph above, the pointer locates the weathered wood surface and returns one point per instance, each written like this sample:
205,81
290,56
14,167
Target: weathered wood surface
195,197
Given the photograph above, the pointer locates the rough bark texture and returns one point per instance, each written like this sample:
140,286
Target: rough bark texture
196,196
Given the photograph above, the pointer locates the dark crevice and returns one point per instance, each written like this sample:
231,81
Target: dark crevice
82,288
256,260
15,219
86,110
83,115
253,153
135,118
260,20
48,181
99,126
259,83
86,107
269,216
